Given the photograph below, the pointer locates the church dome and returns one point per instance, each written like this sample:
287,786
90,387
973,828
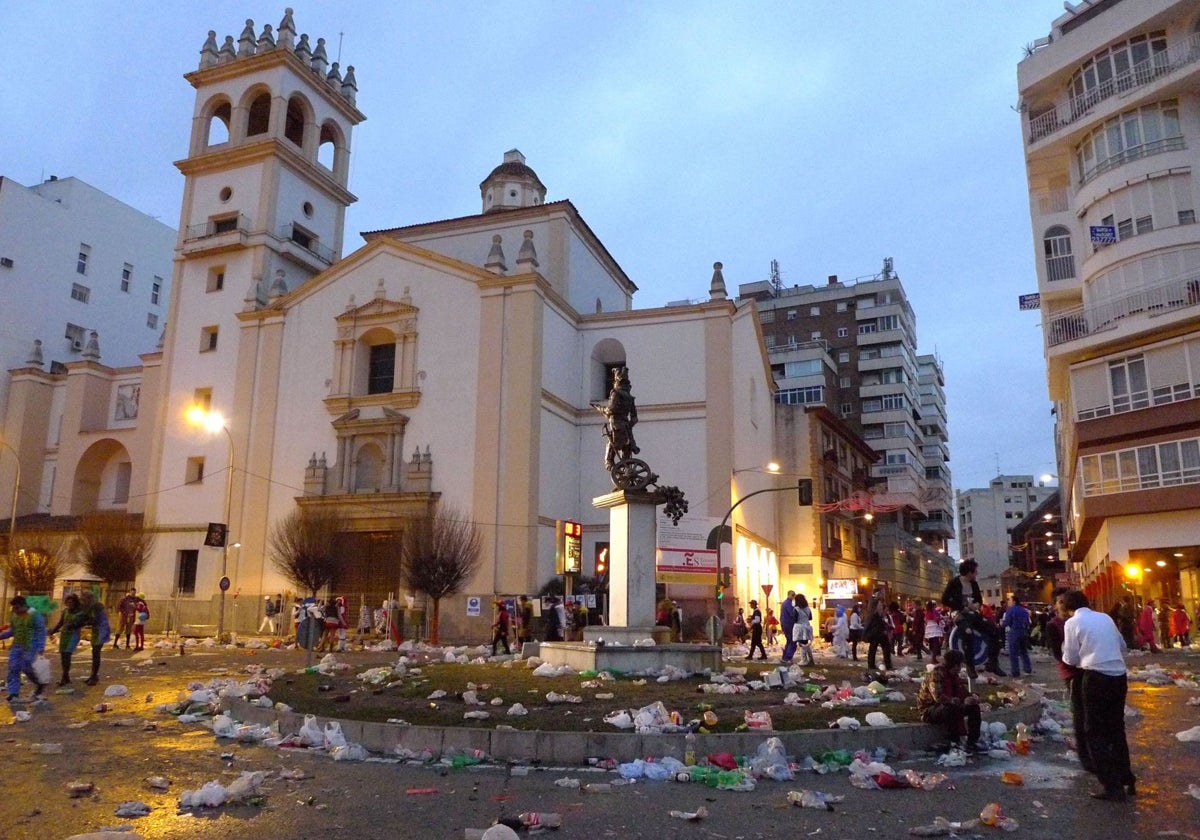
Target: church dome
512,185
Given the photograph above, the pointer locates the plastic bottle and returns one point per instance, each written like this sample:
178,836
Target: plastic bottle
689,749
990,815
1022,739
531,818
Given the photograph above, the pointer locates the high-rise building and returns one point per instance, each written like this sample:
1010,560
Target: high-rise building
852,348
1111,130
83,277
987,516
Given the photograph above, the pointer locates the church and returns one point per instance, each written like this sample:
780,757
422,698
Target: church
447,364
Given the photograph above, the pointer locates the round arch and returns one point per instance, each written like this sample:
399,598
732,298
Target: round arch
102,478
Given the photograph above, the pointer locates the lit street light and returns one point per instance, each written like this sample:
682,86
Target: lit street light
12,526
213,421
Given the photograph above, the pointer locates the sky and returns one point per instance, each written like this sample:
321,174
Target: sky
825,135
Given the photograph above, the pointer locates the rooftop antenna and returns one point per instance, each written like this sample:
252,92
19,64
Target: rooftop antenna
339,55
776,280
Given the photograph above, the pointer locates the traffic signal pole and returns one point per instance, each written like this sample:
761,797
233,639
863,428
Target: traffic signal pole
804,488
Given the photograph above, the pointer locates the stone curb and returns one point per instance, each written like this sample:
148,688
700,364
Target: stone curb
575,748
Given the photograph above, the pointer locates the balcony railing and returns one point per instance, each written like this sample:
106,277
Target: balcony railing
1156,147
217,227
1179,54
1083,321
308,242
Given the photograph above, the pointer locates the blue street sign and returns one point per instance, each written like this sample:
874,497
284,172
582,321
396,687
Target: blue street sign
1103,234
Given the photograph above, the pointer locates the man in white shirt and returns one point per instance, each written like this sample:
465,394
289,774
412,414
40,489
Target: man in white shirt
1093,645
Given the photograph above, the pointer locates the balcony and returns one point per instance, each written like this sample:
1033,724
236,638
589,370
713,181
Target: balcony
308,242
216,234
1082,321
1177,55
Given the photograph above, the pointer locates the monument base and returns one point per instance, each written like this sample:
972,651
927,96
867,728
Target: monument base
618,654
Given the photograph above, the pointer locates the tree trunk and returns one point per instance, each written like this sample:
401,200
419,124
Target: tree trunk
433,621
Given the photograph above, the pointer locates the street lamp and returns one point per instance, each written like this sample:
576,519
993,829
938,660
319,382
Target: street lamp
212,421
12,526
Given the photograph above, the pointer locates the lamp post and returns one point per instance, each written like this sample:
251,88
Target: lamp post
213,421
12,526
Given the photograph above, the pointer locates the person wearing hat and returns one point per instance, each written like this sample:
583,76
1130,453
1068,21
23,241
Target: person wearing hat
756,631
501,626
27,629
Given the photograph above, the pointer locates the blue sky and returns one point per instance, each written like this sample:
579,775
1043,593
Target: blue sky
824,135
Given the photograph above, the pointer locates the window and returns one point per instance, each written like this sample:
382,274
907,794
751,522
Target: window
889,322
1124,228
801,396
843,356
1144,224
847,408
1167,464
302,237
814,310
897,458
152,320
185,575
1187,217
382,369
767,316
80,293
894,402
842,332
194,470
1118,68
844,382
815,335
208,339
156,290
202,398
74,334
1146,131
791,314
126,277
842,306
1127,378
808,367
224,225
768,341
81,264
216,279
864,329
1056,245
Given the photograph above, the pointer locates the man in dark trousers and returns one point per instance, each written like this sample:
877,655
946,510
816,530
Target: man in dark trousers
756,631
962,595
1093,645
944,700
787,620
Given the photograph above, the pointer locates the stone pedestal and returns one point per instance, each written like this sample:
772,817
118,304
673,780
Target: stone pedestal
633,542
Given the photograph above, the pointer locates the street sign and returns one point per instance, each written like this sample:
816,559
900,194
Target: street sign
1033,301
216,535
474,604
308,633
224,584
766,588
1103,234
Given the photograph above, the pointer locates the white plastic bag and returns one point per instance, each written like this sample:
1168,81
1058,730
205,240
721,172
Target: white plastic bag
41,669
333,735
879,719
224,727
621,720
310,733
349,752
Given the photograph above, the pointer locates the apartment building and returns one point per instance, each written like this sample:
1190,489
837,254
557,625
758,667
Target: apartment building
988,515
1111,130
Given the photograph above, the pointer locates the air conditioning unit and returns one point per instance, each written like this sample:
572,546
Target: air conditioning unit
77,344
6,262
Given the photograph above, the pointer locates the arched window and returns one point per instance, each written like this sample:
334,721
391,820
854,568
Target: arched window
293,128
260,115
607,356
218,124
1060,263
327,150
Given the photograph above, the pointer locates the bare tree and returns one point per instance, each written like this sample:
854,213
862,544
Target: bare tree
301,547
114,546
39,561
441,554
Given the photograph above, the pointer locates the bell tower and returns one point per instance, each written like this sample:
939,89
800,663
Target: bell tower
264,205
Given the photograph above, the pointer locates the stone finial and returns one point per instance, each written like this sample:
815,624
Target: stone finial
426,458
528,254
334,77
228,51
286,31
254,296
162,338
350,304
210,53
495,260
266,41
416,458
380,291
92,351
246,43
350,86
320,61
716,289
35,355
278,286
304,51
406,296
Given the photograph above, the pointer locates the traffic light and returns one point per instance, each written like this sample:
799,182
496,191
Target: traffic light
602,562
726,577
720,592
805,488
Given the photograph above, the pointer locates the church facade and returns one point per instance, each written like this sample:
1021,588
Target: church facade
448,364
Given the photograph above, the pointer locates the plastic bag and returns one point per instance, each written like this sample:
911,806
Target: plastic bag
223,726
210,795
41,669
333,735
245,786
621,720
349,752
879,719
758,720
310,733
656,772
771,761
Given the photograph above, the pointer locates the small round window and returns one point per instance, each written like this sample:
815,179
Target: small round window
308,209
226,193
512,193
